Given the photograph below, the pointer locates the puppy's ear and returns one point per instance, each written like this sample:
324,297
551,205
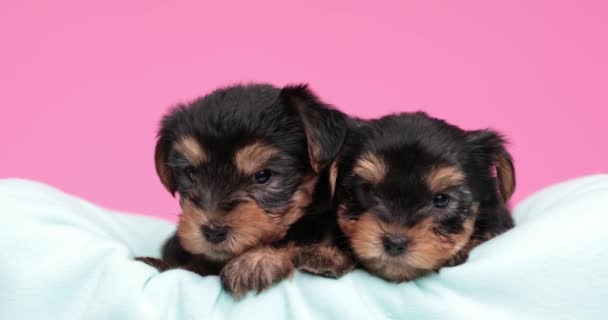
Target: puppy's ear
333,177
324,126
161,152
490,147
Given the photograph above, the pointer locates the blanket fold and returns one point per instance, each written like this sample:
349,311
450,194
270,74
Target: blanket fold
64,258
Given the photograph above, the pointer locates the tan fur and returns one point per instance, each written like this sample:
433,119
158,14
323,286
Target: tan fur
191,150
475,207
432,249
189,228
162,169
251,225
303,196
371,167
261,266
444,177
323,259
314,149
506,177
251,158
478,239
257,270
463,254
347,225
315,152
333,175
427,249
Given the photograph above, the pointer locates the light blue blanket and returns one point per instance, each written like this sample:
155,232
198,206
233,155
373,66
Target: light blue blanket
63,258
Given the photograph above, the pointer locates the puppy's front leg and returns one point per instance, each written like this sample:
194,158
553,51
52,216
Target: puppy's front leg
159,264
199,267
257,269
324,260
462,255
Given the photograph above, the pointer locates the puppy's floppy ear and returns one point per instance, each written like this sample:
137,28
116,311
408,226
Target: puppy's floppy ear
333,177
167,135
161,152
490,146
324,126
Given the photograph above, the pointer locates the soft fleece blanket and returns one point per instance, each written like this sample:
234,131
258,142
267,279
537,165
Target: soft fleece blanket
64,258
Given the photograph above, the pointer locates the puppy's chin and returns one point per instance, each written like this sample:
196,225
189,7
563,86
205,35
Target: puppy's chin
218,255
394,269
196,244
405,267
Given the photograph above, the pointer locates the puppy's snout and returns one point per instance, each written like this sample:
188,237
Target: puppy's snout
215,234
394,245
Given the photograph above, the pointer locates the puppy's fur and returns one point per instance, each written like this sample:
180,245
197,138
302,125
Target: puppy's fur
415,193
250,165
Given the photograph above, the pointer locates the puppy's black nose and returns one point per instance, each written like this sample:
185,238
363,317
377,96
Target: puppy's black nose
215,234
394,245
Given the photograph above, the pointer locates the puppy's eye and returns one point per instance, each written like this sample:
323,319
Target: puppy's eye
366,195
441,200
190,173
369,189
262,177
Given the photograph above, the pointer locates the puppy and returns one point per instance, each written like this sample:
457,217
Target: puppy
415,193
250,165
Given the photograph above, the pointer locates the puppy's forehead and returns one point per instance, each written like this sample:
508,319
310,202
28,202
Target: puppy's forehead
249,158
242,111
190,149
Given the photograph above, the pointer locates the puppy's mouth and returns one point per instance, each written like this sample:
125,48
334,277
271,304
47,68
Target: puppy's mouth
396,258
218,254
417,260
224,250
392,268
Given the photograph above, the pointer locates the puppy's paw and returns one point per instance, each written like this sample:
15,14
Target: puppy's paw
458,259
256,270
323,260
463,255
159,264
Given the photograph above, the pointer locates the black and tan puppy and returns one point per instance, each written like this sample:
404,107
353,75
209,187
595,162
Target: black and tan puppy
415,193
250,165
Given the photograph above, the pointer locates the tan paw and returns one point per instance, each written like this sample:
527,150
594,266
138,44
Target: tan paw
256,270
459,258
323,260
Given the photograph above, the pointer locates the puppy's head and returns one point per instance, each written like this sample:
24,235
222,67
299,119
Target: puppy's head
410,187
245,161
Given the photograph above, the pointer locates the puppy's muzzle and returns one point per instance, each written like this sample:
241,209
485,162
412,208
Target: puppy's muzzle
215,234
394,245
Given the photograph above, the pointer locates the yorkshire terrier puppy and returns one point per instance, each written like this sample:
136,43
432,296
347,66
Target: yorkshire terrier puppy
250,165
415,193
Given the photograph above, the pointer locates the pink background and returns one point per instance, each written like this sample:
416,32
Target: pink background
83,85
